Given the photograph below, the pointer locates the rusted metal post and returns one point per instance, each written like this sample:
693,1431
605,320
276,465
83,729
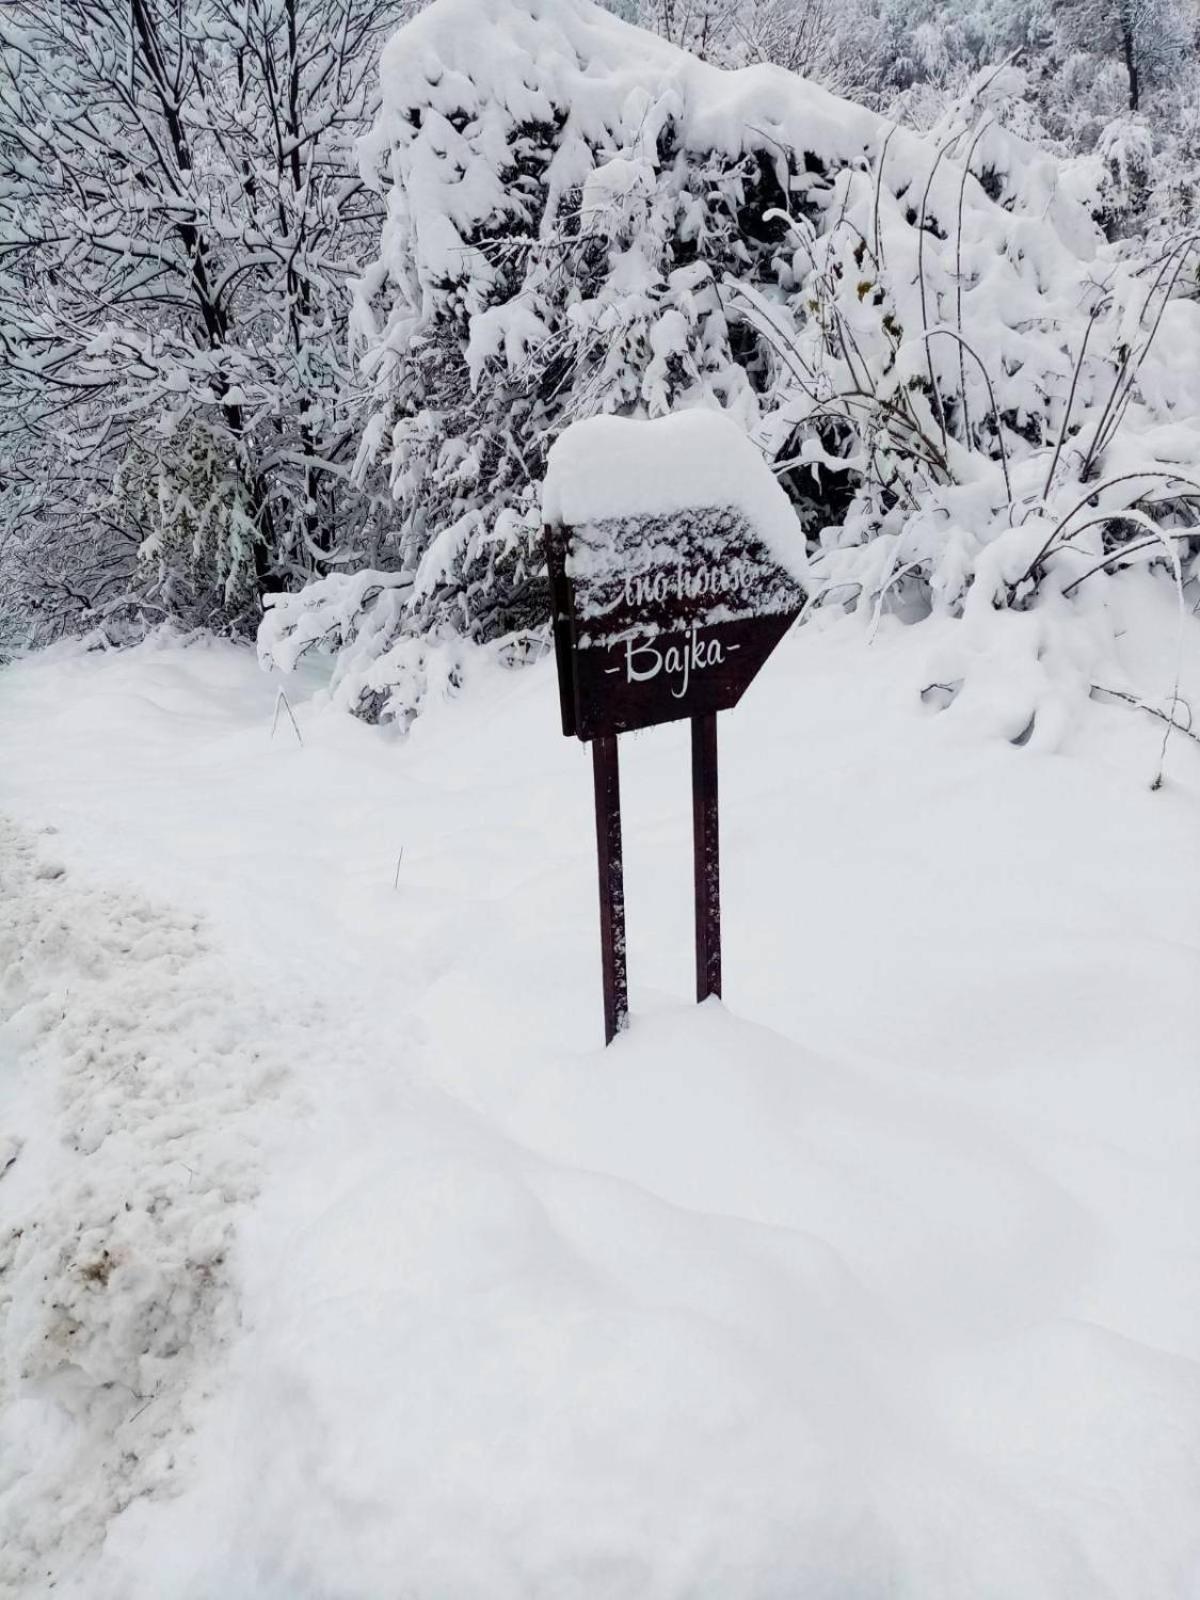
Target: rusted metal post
612,884
706,855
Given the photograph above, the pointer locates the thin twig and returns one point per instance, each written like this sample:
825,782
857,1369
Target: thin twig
878,189
282,698
963,345
1062,432
1118,555
1116,513
1152,711
958,294
1131,362
937,161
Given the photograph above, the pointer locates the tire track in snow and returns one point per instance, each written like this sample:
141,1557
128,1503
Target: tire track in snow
136,1075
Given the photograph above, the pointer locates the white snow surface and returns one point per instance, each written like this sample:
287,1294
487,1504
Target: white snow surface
878,1278
611,467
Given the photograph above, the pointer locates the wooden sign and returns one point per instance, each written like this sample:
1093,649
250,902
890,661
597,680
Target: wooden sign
674,561
658,617
662,617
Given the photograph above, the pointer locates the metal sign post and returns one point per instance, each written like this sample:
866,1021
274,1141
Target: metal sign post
612,885
706,855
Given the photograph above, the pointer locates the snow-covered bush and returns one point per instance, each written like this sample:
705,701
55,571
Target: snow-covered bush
565,199
974,402
1125,152
568,199
380,672
1004,398
1144,173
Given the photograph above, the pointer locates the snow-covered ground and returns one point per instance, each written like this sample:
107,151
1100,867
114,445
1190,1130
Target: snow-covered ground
339,1262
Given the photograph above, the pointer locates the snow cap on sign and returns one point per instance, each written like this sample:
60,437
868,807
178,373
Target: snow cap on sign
609,467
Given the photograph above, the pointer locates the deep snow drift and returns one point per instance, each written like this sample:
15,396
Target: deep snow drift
880,1279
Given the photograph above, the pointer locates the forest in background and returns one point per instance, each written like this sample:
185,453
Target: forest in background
220,388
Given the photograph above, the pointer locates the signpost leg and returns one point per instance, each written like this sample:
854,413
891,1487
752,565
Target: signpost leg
706,855
612,884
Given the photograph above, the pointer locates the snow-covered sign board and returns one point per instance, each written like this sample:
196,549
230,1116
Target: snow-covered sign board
675,566
672,567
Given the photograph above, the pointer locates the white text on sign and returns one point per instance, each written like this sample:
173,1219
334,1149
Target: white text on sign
677,661
690,584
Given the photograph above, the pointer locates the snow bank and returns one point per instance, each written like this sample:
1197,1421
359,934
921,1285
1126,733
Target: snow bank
882,1278
614,467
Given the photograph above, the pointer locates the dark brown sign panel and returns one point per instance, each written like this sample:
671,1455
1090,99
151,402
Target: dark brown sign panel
658,618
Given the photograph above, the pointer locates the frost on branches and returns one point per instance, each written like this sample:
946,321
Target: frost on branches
179,221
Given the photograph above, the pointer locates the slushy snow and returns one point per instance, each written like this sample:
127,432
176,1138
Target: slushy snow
878,1278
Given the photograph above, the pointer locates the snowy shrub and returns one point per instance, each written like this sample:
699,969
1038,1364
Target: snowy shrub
973,401
567,201
1125,152
560,222
194,525
379,672
1004,401
1174,203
